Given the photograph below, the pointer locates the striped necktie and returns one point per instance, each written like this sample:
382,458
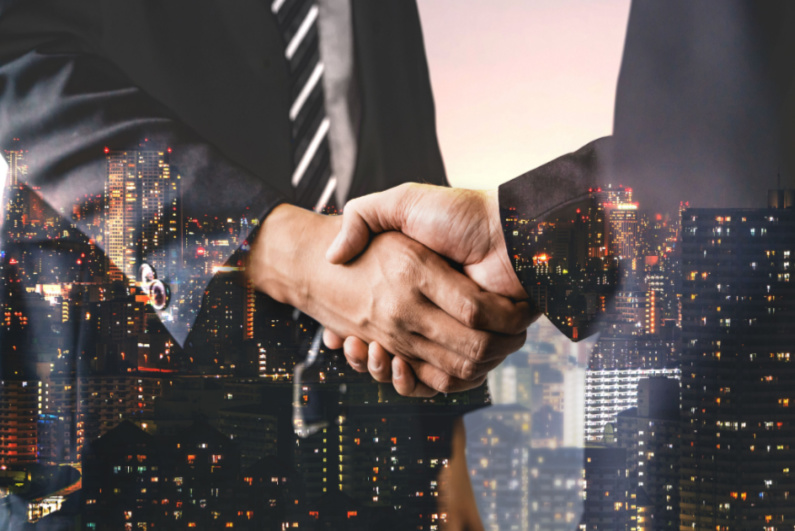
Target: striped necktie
312,179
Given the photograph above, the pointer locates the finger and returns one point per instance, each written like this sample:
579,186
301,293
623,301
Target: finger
355,351
405,381
331,340
461,343
437,380
379,363
461,298
455,364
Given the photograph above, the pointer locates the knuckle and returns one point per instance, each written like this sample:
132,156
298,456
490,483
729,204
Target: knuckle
471,311
353,205
407,193
406,267
401,344
469,371
361,320
353,362
443,383
396,313
479,346
377,374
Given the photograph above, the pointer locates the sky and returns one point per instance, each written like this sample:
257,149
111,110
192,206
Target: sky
520,82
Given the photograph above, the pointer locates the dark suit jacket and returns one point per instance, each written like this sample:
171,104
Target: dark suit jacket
209,80
704,113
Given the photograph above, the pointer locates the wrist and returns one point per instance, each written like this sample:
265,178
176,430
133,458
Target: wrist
282,257
491,204
498,245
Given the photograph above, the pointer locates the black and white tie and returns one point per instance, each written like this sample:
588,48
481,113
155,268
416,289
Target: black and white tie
312,177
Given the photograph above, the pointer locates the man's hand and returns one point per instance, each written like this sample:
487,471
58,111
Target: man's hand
462,225
398,294
385,368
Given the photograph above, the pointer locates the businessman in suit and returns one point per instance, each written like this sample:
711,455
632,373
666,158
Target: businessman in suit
84,76
79,59
231,91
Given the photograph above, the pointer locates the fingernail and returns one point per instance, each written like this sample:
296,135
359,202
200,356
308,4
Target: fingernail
372,362
397,371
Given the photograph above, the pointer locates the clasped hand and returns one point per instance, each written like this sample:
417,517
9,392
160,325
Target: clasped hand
393,301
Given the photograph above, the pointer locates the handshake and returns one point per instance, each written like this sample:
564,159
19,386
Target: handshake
414,283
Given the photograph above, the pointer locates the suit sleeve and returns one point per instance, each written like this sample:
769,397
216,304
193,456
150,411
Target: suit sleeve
554,233
70,107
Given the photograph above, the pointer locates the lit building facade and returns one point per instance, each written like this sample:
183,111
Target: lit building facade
738,374
14,208
608,500
611,391
18,421
517,485
649,433
140,186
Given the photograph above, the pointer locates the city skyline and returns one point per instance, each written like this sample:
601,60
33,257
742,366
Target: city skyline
61,401
96,368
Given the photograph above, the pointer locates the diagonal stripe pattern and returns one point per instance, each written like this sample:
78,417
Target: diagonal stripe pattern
312,179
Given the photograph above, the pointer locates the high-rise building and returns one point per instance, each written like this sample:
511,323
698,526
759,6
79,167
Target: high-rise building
517,485
640,327
371,454
499,457
18,421
15,156
618,195
77,410
143,213
650,435
608,501
609,392
622,221
15,205
738,375
134,480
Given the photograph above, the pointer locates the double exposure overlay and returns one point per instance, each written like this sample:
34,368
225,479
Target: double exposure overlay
151,379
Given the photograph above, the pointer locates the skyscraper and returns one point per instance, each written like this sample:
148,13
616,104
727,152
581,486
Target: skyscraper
18,418
738,310
15,156
650,435
611,391
608,504
14,209
621,220
140,186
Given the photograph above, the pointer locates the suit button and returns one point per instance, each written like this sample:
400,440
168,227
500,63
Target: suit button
156,290
146,274
159,295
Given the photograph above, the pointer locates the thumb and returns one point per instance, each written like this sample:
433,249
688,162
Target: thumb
351,240
371,213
